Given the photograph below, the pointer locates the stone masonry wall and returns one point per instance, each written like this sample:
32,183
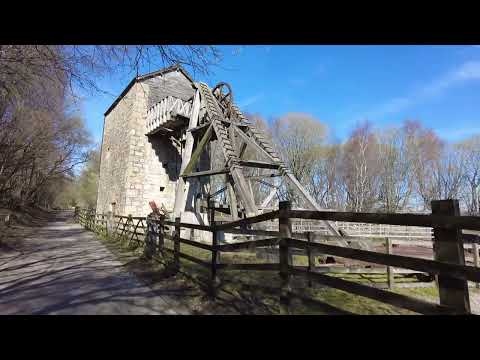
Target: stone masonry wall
154,164
136,169
114,157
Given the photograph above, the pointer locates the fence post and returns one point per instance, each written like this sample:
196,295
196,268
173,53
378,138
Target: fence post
476,260
311,258
160,227
109,223
215,254
390,274
149,238
448,247
176,245
285,231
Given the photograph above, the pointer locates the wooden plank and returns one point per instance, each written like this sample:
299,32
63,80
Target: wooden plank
190,226
253,143
248,245
252,232
191,242
242,187
198,150
440,221
285,257
233,199
401,301
189,258
182,187
390,274
251,220
448,247
176,244
269,197
257,177
253,267
311,258
293,180
258,164
196,129
476,260
161,233
423,265
205,173
214,259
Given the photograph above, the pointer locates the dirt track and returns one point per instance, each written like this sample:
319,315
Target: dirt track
63,269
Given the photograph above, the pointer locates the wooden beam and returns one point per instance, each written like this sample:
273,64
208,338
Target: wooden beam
182,187
205,173
198,150
293,180
253,143
423,265
243,191
233,198
218,192
251,220
242,149
476,261
388,297
197,128
448,247
256,177
440,221
259,164
269,197
249,245
255,267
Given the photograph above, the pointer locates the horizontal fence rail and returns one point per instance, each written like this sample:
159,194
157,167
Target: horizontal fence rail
447,241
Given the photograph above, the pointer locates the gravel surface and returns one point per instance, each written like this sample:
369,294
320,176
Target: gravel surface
63,269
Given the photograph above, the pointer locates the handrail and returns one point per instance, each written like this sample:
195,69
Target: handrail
462,272
247,221
435,221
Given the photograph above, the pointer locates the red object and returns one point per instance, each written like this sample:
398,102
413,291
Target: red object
154,207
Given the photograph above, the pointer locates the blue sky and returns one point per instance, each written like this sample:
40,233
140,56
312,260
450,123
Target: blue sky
342,85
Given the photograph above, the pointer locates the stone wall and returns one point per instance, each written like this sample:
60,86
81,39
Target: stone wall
115,153
136,169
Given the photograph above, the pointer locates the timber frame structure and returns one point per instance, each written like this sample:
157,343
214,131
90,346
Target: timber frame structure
213,116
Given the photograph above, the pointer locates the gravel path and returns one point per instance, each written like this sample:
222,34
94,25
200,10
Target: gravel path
63,269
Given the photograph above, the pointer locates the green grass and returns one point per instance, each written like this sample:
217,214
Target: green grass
255,292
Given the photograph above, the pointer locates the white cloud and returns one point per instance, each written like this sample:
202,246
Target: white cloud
250,100
467,71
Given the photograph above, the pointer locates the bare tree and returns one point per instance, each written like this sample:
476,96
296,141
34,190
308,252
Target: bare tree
360,168
448,174
80,67
324,182
471,155
41,140
424,150
396,180
298,137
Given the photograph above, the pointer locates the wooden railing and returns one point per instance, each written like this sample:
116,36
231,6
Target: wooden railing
165,110
129,228
448,265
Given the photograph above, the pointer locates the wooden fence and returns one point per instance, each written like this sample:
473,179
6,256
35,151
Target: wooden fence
448,267
129,228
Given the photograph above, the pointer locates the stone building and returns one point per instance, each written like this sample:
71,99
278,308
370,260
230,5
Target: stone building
136,168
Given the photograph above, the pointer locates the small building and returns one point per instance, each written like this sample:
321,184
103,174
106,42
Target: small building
135,168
